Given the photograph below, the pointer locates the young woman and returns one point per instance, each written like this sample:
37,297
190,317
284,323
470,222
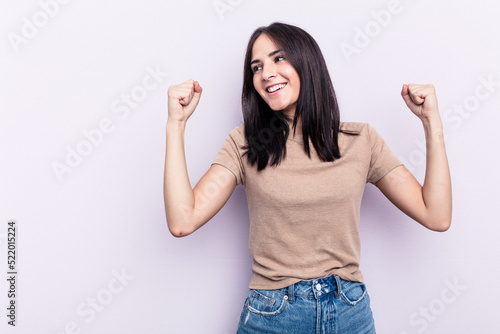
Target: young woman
304,173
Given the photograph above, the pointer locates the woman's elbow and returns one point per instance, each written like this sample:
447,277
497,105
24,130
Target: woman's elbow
178,233
440,225
178,230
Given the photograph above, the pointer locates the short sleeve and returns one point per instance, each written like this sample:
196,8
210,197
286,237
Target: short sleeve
230,153
382,159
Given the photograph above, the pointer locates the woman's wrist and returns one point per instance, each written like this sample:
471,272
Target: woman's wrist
433,127
175,125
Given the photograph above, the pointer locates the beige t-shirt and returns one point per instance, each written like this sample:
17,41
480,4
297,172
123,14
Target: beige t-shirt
304,213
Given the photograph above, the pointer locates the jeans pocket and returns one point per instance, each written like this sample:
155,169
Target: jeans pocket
266,302
353,292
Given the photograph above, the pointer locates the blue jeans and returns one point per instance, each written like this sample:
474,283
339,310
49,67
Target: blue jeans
328,305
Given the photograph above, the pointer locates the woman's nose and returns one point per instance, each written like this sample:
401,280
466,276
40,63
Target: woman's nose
268,72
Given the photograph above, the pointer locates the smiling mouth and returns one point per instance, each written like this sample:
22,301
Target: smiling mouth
275,88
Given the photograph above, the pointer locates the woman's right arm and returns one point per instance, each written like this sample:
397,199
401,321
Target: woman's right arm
188,209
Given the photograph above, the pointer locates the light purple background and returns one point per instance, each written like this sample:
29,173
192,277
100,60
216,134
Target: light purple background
107,215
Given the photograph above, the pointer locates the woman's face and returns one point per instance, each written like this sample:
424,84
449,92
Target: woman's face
274,78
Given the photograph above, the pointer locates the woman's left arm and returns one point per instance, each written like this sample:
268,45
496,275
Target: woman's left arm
429,204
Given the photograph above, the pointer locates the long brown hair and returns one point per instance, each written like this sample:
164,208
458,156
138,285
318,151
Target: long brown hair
266,130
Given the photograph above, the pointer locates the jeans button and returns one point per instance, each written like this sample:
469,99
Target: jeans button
318,287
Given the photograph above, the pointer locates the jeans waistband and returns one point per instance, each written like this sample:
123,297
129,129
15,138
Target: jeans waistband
316,287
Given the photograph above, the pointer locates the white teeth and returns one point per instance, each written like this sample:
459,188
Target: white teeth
275,88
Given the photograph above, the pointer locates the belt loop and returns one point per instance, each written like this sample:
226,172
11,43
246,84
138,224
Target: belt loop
291,294
339,284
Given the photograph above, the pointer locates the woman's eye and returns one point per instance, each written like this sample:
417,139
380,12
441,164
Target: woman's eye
279,58
256,68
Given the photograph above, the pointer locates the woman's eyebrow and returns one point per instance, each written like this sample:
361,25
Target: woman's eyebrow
269,55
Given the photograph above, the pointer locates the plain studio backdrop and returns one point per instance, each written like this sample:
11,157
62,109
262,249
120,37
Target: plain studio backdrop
82,143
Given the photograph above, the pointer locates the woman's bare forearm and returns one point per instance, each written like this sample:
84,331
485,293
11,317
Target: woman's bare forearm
436,189
177,191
